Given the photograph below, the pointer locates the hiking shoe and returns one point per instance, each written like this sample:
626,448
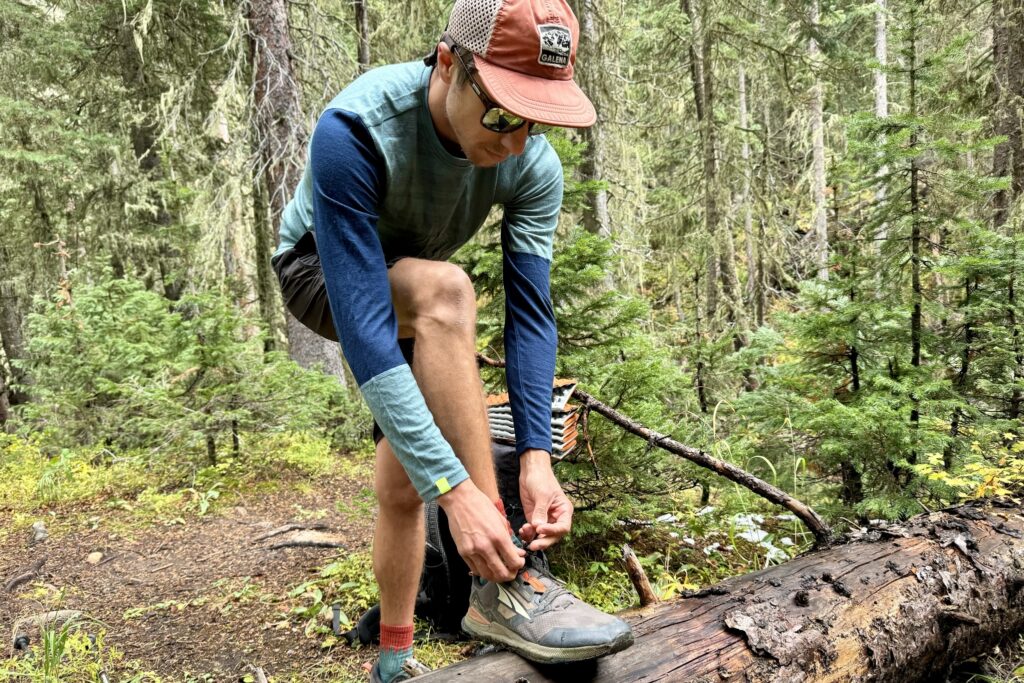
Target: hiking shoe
410,669
535,616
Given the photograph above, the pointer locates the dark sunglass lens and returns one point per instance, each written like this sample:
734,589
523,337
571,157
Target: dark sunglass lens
501,121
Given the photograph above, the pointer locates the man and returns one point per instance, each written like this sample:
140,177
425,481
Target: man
405,164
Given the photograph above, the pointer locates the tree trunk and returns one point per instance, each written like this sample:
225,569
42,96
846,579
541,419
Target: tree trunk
280,153
701,371
1016,395
748,216
852,490
144,89
915,230
11,344
5,399
1008,156
590,75
700,83
1008,57
760,285
960,383
819,222
5,403
881,99
899,603
363,28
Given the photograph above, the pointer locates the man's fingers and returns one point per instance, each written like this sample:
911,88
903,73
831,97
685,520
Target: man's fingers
527,533
474,570
544,542
549,533
512,557
539,517
502,565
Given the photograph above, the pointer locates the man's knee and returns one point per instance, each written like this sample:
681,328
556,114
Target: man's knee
443,298
396,495
399,502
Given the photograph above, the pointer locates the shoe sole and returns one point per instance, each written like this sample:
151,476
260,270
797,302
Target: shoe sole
496,633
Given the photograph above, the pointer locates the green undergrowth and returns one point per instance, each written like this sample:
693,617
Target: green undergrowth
73,653
1005,664
681,550
348,583
41,481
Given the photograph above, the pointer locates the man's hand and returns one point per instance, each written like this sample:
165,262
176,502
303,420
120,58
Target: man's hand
481,533
548,511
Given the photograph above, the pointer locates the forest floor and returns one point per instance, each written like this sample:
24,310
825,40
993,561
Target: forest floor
197,593
201,599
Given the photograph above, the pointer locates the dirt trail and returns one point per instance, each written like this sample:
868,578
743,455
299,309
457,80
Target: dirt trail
201,598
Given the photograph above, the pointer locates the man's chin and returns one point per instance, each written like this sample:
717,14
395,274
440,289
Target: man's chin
487,160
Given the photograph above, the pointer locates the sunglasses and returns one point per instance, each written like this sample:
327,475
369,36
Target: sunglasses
496,118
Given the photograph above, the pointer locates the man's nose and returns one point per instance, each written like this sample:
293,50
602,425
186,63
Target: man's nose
515,142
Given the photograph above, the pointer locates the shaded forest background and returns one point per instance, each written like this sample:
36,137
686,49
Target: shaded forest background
793,239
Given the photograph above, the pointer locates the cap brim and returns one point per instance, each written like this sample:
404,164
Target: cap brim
543,100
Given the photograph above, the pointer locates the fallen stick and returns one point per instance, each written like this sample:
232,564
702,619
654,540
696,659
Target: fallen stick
872,607
25,577
310,539
822,532
638,577
813,521
295,526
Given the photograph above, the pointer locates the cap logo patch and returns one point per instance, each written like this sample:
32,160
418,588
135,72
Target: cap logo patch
555,45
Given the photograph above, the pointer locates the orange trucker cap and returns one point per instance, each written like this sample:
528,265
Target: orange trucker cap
525,51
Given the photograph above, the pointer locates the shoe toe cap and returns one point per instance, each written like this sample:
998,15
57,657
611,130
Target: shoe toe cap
614,633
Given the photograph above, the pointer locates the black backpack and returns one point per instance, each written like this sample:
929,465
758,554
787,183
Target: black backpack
445,583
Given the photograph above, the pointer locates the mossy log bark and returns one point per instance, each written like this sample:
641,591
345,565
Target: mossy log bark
901,603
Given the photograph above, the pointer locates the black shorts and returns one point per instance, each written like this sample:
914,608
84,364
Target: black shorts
305,295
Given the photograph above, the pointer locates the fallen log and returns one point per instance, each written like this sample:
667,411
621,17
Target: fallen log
900,604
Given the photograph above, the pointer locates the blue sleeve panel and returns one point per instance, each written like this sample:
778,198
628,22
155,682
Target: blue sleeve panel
531,339
348,181
530,345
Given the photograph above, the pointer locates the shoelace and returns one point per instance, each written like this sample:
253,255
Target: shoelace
554,589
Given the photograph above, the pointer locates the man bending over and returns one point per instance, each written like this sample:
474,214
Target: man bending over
404,166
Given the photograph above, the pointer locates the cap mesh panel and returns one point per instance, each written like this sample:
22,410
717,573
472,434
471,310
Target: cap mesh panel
472,23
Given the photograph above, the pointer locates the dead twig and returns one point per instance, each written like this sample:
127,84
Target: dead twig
639,577
585,419
310,539
25,576
295,526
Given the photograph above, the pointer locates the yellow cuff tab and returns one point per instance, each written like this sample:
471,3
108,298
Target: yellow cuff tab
442,485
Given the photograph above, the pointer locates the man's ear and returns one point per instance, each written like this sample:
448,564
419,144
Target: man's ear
445,62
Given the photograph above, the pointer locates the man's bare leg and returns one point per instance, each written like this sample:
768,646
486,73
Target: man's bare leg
399,529
435,303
